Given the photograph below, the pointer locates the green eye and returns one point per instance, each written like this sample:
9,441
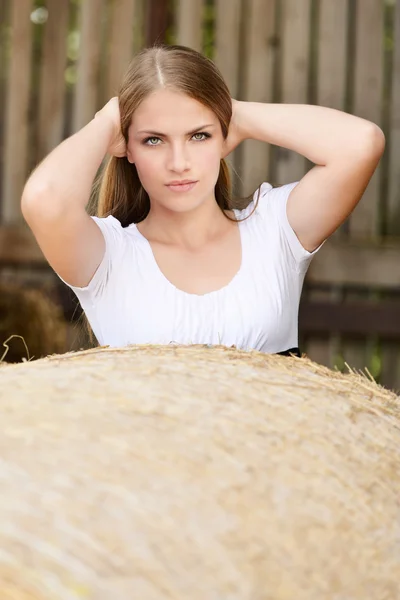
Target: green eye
204,134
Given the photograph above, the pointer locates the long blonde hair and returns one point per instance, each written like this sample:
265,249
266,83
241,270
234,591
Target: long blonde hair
117,190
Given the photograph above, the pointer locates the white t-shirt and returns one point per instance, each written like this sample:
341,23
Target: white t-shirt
130,301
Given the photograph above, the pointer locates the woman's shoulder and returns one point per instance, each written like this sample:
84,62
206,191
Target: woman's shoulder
255,202
112,226
271,199
107,221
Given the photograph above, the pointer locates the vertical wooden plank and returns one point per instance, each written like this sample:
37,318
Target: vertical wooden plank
52,79
368,81
86,91
139,40
16,119
122,15
332,59
332,53
330,92
227,42
393,204
190,21
156,21
258,58
368,96
295,72
4,17
226,57
390,351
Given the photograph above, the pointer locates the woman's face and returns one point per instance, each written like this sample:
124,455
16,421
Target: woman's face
172,138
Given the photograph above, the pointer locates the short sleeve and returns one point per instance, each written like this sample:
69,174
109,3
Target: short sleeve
273,202
113,233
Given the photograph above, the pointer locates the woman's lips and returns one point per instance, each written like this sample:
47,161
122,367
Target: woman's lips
183,187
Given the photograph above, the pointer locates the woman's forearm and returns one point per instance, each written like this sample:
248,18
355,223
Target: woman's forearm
66,175
318,133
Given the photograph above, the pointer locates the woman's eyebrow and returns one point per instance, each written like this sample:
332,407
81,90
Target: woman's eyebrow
157,133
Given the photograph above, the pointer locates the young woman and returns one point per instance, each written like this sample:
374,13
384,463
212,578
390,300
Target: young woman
171,256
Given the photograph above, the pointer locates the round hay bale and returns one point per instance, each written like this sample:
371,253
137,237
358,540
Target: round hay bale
154,472
31,325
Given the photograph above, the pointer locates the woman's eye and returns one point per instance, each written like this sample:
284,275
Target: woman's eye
205,136
150,139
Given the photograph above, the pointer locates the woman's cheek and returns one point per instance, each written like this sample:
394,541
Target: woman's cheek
210,159
147,167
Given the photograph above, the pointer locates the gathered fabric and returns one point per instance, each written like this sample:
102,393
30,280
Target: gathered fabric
130,301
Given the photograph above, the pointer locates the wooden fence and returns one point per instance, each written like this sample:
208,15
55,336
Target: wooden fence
60,60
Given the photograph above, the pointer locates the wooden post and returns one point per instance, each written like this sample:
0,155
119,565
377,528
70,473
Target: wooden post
390,350
368,82
87,86
258,56
156,21
393,204
190,24
52,78
227,59
16,119
122,17
295,64
332,54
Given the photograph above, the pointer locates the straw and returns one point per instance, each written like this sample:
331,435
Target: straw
196,472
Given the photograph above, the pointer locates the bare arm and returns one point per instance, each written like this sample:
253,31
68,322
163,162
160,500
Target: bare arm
346,150
56,194
66,175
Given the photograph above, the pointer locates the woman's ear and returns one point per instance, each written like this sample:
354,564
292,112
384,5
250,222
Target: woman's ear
224,149
129,156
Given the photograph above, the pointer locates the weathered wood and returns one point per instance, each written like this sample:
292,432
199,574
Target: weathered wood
16,115
330,92
257,86
4,20
390,351
87,86
52,80
122,15
368,80
359,318
139,30
19,247
393,201
295,64
332,53
227,42
356,264
156,21
367,103
227,59
190,21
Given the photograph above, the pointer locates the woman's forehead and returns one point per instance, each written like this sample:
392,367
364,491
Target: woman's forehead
164,109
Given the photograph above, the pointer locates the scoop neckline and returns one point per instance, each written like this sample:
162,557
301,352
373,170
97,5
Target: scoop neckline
183,292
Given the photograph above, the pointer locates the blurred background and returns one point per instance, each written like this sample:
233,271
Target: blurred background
61,60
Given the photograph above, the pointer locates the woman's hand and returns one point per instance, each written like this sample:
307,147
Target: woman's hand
235,134
110,111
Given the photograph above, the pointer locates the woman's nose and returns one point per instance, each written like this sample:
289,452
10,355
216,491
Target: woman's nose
178,158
